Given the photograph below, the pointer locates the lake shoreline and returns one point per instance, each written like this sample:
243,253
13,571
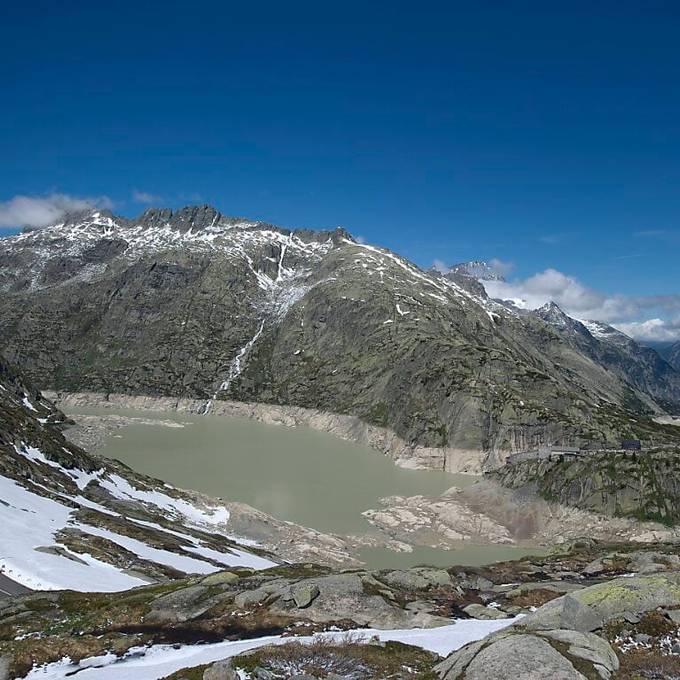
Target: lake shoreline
346,427
107,431
482,517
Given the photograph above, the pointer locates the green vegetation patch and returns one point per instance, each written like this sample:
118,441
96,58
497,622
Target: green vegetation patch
350,657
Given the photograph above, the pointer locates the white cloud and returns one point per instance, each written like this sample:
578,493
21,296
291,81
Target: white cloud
628,313
39,211
501,267
145,197
543,287
659,330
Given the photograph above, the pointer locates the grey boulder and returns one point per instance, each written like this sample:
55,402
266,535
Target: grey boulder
590,608
564,612
507,658
220,670
509,655
304,594
588,647
479,611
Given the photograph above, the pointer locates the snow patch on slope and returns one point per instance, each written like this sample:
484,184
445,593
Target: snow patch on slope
240,241
603,331
158,661
176,507
402,273
28,522
32,555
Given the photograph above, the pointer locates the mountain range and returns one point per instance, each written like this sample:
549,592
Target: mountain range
193,303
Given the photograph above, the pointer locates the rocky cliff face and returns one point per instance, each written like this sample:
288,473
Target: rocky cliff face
642,485
196,304
673,356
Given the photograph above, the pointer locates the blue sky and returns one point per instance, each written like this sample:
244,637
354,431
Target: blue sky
542,135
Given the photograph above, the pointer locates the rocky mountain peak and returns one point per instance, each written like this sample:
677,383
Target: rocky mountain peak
189,226
155,217
92,216
552,313
476,269
195,218
552,307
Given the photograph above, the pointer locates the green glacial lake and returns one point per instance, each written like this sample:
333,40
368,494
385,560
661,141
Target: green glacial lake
296,474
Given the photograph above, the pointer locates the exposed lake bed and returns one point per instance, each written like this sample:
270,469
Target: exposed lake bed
295,474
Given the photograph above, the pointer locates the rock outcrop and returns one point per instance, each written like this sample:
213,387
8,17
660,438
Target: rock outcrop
549,655
640,485
577,635
487,512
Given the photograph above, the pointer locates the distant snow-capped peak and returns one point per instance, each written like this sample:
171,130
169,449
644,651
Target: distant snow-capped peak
476,269
603,331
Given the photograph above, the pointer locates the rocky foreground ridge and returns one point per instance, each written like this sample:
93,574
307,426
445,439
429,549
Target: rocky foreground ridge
590,610
193,304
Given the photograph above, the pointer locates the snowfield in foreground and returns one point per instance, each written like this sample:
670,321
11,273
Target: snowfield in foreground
29,522
33,557
157,661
